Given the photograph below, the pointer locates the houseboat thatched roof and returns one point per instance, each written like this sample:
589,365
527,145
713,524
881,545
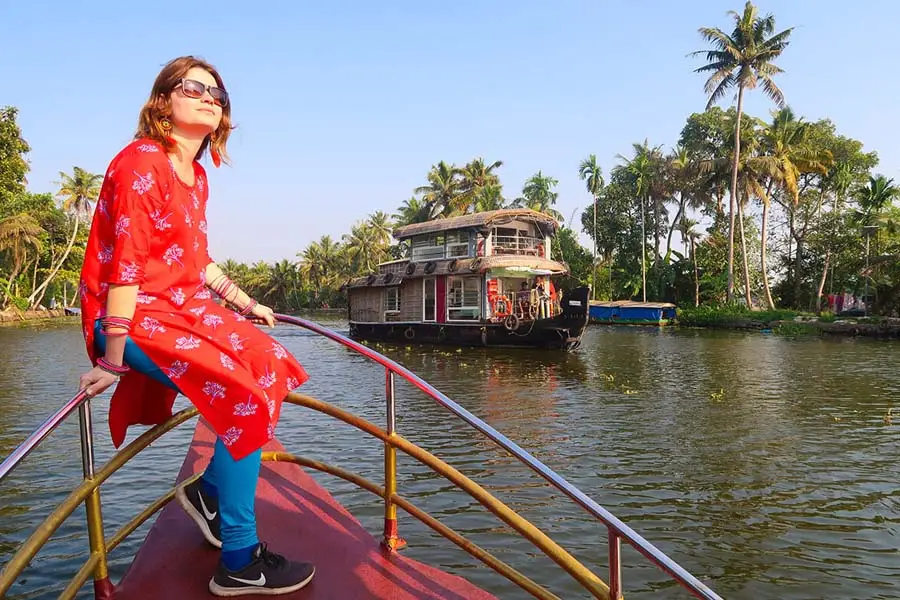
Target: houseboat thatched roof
510,265
479,220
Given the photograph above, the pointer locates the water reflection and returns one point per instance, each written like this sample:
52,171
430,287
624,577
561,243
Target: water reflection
761,464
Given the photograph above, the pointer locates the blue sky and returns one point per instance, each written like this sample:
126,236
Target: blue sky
342,107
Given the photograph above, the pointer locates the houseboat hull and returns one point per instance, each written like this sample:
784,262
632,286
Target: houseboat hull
562,332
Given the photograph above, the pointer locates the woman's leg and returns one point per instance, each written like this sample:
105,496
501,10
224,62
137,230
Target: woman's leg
236,483
229,485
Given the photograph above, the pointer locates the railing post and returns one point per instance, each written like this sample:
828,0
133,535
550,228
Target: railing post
615,565
103,588
391,540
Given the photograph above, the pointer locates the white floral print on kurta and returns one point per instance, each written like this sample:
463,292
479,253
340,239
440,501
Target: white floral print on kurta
152,325
232,435
203,294
173,254
143,183
278,350
143,298
178,368
212,320
129,272
291,383
148,148
236,342
187,343
102,207
161,221
105,254
214,390
226,361
245,409
202,227
267,380
122,224
198,310
178,297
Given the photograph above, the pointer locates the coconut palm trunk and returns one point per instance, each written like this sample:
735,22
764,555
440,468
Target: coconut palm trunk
38,294
744,264
733,199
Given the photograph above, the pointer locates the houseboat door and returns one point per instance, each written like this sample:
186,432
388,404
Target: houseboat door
429,300
441,293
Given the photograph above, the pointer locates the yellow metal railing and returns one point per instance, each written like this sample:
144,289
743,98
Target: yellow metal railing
88,492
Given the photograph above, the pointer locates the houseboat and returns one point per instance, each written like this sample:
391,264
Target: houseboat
485,279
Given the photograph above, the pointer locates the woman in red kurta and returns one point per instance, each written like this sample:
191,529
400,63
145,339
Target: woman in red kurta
150,319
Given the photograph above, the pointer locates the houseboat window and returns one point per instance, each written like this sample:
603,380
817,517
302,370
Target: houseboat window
430,247
429,312
464,298
457,244
392,300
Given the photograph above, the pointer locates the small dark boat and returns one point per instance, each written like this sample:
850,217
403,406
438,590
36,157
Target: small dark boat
485,279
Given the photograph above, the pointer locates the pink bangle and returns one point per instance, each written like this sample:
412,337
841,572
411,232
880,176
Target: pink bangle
248,308
117,370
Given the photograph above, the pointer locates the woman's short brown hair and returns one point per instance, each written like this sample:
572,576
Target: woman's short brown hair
158,106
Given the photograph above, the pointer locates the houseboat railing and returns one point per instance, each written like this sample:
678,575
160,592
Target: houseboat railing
88,492
511,244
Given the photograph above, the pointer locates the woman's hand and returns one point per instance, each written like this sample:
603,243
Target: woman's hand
265,313
96,381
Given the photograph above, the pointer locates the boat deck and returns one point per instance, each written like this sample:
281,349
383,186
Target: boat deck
298,518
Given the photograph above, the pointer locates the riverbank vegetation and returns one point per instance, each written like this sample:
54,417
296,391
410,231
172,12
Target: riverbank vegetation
768,211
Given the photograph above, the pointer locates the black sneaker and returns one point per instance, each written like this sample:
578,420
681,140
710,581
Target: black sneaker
203,509
269,574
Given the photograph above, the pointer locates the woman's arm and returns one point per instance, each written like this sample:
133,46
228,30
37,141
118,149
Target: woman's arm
121,301
235,296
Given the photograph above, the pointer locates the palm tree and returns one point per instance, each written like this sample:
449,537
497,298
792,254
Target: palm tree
443,189
787,150
538,194
489,197
589,172
380,223
413,210
475,176
78,193
743,59
320,262
689,235
641,168
364,248
20,234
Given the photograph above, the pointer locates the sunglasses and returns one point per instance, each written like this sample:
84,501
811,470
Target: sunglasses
195,89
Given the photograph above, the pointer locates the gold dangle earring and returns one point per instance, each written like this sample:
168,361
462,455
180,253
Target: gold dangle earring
166,126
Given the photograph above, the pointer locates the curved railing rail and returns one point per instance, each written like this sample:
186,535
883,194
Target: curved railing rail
617,530
88,491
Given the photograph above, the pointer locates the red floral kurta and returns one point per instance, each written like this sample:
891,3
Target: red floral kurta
149,229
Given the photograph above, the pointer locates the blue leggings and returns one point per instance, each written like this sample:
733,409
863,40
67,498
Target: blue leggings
233,481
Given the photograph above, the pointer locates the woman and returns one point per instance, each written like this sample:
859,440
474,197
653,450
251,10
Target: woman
150,321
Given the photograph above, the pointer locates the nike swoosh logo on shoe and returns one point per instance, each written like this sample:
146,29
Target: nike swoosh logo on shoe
259,581
206,513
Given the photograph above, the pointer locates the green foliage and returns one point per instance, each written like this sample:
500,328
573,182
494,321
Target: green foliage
730,316
13,165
